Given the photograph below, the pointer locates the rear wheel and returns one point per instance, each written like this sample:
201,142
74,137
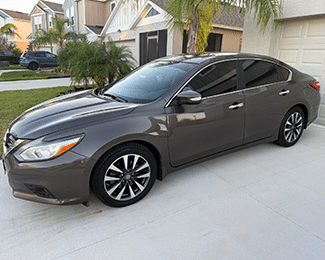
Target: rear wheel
33,66
291,127
124,175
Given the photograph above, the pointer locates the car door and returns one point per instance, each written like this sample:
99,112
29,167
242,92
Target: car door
214,125
268,96
51,60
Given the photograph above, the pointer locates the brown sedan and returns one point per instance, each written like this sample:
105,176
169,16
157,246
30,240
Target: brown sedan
163,116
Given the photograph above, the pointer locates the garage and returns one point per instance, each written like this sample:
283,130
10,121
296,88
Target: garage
301,44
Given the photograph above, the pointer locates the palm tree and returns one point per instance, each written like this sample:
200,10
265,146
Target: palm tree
9,29
193,16
55,35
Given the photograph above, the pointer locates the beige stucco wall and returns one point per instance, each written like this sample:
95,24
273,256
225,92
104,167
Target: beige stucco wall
231,39
24,29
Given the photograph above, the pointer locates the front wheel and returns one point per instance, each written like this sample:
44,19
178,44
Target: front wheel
291,127
124,175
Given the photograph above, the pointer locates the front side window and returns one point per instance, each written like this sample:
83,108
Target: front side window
216,79
149,82
259,72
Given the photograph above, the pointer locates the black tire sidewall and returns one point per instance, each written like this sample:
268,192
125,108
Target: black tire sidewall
97,181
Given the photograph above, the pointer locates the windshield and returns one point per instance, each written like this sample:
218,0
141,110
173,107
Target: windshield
149,82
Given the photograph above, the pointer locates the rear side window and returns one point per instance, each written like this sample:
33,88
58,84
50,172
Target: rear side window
49,55
219,78
258,73
39,54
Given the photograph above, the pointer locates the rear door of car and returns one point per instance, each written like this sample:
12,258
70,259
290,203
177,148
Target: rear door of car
51,59
214,125
268,96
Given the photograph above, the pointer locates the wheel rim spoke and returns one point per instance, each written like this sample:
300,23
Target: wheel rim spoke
142,167
139,185
112,189
146,175
131,191
125,159
136,157
119,196
111,178
114,168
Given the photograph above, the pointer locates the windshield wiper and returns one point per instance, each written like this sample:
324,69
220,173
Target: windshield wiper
117,98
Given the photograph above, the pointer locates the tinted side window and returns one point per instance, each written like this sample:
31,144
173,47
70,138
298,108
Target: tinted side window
283,73
39,54
257,73
216,79
49,55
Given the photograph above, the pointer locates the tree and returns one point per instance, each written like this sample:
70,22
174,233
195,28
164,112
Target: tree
55,35
8,29
103,62
196,16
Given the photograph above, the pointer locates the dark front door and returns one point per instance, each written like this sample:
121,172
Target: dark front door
214,125
153,45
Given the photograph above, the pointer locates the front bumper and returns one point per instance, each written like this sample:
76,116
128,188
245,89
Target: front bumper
62,181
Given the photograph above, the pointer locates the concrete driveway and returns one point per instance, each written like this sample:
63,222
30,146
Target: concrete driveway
265,202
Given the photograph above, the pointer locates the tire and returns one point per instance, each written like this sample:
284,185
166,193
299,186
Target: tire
124,175
33,66
292,126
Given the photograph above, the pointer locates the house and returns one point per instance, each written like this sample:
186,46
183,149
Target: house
87,16
141,26
41,17
23,24
297,39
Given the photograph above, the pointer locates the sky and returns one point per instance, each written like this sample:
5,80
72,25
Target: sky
24,6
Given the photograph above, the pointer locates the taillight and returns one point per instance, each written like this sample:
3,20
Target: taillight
315,85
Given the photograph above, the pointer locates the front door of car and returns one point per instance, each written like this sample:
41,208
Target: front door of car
215,124
267,98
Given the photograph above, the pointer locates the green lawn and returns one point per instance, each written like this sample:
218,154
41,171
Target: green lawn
25,75
13,103
13,67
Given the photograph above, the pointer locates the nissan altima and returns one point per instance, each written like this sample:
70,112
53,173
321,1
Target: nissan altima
163,116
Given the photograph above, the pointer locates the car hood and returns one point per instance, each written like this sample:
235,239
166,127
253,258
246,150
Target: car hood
65,112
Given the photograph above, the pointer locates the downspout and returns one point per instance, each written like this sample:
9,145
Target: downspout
84,7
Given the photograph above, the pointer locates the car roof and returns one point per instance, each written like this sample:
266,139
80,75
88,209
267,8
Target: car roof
211,57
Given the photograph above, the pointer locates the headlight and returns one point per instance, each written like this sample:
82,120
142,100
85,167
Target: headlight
38,150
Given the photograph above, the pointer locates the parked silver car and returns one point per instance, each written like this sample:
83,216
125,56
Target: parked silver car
163,116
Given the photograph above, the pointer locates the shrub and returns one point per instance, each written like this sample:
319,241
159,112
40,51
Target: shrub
103,62
17,51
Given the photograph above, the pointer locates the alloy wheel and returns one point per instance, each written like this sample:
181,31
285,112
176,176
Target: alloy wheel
293,127
127,177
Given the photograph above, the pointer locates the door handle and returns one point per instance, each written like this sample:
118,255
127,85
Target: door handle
236,105
284,92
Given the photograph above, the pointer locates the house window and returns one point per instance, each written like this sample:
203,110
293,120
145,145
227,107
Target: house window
38,22
50,21
113,6
152,12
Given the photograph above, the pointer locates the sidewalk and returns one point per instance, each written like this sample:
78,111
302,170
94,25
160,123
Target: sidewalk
265,202
31,84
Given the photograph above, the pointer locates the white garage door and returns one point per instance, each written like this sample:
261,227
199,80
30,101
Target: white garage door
302,45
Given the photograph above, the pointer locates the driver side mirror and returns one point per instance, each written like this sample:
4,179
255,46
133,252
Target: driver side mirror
189,97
